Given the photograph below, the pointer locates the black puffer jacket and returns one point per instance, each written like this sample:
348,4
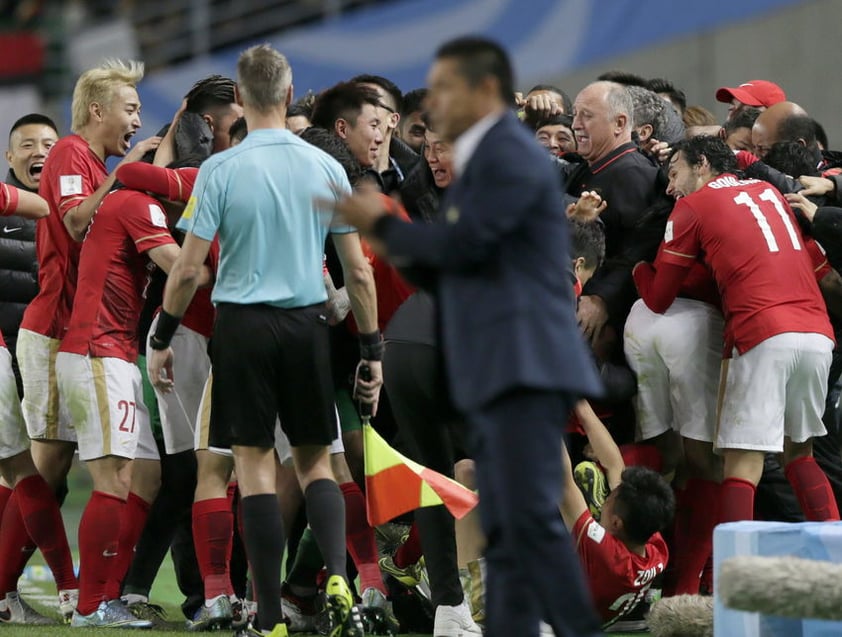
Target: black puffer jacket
18,269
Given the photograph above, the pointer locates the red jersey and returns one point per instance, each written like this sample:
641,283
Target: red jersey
747,234
200,314
113,273
9,197
392,289
71,174
617,577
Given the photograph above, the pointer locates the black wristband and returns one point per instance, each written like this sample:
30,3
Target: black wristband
371,346
167,325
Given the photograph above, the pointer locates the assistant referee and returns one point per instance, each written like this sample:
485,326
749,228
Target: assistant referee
270,341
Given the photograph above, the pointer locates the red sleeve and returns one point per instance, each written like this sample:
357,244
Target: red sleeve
9,197
175,185
75,176
821,268
659,288
681,243
146,223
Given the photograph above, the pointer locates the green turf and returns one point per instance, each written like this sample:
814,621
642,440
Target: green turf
42,596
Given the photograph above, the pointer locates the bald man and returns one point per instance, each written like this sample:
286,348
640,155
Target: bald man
766,129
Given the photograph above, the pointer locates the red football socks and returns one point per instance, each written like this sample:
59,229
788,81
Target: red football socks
812,489
359,538
736,500
410,551
131,526
42,517
16,547
99,538
697,509
213,536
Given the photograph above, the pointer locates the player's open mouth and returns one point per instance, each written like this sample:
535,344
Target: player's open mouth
35,169
127,138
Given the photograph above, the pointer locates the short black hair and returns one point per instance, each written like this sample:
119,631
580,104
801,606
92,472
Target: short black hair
797,127
387,85
333,145
303,106
413,101
555,120
720,157
33,118
239,130
821,135
342,101
623,77
587,240
565,98
212,92
792,158
644,502
744,119
662,85
479,58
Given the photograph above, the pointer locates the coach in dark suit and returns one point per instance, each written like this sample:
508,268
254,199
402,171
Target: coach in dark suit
514,357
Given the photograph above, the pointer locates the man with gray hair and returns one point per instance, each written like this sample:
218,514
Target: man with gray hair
628,182
270,346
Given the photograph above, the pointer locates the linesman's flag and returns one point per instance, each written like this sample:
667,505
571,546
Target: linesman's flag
394,484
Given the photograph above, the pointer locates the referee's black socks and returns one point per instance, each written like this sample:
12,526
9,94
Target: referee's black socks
326,515
263,535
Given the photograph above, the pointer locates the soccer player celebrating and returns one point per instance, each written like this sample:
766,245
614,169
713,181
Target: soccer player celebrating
778,338
98,378
105,116
31,501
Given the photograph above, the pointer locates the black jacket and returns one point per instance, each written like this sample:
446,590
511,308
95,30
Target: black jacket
18,269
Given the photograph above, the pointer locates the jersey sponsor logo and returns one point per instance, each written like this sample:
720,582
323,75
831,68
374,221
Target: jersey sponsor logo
189,209
596,532
157,216
668,233
70,185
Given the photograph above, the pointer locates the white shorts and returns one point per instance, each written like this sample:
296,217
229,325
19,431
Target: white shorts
13,436
178,409
775,389
44,411
676,357
282,447
105,400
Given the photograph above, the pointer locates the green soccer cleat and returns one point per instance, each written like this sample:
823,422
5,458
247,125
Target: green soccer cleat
591,480
340,618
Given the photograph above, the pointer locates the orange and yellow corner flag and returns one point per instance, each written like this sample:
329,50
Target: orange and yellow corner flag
394,484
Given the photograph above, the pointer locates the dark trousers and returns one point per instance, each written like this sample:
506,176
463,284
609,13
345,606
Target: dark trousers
532,569
429,427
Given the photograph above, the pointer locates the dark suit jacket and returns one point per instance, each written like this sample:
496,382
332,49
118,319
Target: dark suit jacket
500,253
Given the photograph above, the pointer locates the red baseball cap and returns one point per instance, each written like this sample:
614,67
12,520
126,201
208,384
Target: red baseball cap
752,93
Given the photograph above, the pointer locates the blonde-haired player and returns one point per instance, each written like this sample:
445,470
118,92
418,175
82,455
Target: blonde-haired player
106,115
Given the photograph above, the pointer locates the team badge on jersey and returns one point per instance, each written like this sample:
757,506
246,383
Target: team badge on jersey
452,214
188,210
70,185
157,216
596,532
668,232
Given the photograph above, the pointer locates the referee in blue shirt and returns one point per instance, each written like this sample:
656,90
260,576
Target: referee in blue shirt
270,341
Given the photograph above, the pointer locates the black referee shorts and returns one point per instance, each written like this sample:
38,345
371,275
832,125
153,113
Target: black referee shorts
270,362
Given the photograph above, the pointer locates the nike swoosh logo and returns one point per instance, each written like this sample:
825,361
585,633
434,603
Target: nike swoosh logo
109,553
9,230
